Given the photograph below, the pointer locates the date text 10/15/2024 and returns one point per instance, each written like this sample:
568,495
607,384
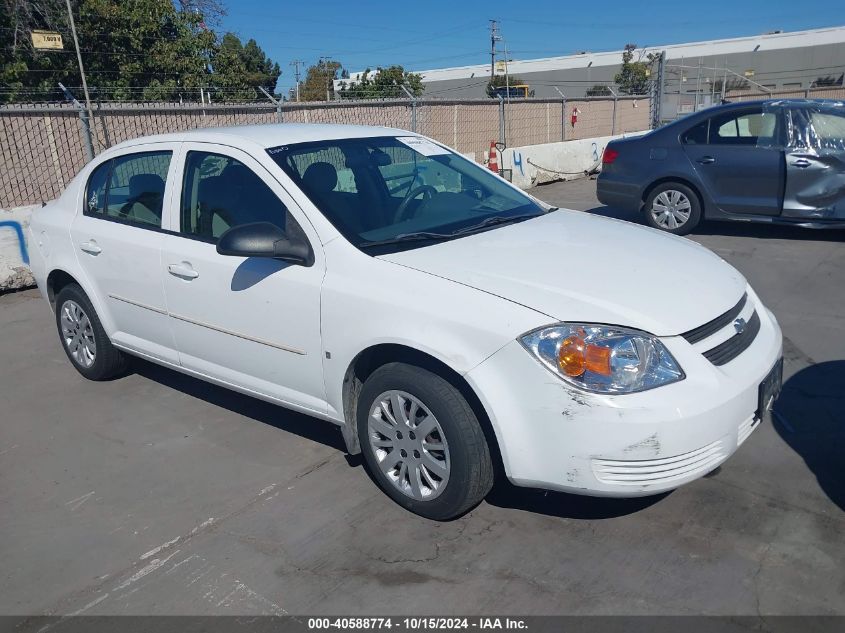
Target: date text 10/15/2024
416,623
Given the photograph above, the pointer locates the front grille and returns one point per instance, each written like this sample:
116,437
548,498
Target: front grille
711,327
736,345
657,471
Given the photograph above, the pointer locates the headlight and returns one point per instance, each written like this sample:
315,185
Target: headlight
603,358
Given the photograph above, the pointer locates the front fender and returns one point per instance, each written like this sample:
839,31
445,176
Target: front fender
366,301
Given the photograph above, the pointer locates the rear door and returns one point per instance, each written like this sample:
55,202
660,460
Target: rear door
815,163
118,237
741,166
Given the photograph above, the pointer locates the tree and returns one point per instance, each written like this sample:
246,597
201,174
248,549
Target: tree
240,70
633,79
319,81
212,11
386,83
501,81
138,50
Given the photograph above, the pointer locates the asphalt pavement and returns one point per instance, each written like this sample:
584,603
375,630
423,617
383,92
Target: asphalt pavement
159,494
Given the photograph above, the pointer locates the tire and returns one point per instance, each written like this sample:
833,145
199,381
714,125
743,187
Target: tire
83,338
683,208
454,473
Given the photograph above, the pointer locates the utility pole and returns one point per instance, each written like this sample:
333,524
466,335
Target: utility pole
79,59
324,62
494,37
296,64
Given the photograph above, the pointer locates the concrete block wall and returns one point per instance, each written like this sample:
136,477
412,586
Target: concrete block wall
14,249
533,165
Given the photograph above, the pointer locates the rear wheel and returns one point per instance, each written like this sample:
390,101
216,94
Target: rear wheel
673,207
422,442
83,338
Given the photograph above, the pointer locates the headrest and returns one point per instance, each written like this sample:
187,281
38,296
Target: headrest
320,177
145,184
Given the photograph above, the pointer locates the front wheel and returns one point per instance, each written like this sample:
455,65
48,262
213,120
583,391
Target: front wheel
422,442
673,207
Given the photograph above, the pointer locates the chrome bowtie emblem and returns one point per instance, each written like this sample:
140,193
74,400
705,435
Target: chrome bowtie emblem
739,325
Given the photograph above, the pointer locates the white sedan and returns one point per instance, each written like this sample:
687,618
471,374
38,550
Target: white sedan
450,324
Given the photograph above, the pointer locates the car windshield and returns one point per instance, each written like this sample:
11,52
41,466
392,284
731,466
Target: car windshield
392,193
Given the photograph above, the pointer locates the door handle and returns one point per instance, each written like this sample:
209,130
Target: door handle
801,162
706,160
182,270
91,247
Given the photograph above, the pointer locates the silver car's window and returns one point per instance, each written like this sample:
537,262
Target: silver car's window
745,128
818,128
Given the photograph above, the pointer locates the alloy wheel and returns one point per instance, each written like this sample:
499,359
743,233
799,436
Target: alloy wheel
78,334
409,445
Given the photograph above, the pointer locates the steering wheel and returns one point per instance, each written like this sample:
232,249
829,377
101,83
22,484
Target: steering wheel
401,210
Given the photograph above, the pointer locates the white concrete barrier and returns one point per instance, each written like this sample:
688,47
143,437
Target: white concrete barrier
537,164
14,249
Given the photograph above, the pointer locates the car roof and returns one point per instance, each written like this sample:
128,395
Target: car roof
268,135
787,102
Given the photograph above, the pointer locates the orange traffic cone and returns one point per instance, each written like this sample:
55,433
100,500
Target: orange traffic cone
493,160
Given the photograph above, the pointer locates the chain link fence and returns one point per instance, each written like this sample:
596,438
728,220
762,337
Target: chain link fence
42,146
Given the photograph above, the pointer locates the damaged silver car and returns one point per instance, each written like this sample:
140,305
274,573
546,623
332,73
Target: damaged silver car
776,161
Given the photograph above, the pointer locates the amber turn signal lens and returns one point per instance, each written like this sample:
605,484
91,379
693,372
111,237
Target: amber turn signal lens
575,357
598,359
571,357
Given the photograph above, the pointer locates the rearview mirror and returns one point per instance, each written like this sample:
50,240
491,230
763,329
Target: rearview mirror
263,239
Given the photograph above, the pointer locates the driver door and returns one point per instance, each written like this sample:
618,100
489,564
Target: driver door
741,165
253,323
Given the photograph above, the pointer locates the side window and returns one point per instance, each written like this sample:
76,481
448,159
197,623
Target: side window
129,188
696,135
219,192
95,192
746,128
818,129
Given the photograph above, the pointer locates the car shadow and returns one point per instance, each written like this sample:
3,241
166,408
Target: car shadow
734,229
300,424
563,505
503,495
810,417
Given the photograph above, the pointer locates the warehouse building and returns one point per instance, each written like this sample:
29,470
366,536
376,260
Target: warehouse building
774,61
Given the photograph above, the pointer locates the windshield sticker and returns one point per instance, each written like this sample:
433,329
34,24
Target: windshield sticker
422,145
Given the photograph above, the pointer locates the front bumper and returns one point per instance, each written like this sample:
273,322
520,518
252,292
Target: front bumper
554,436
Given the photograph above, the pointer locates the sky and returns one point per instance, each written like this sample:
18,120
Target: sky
427,34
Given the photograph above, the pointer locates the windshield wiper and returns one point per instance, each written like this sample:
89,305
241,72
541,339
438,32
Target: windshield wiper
431,236
410,237
494,221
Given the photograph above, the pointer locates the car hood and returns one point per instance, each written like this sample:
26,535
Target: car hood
573,266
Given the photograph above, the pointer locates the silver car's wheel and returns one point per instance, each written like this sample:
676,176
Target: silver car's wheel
78,334
671,209
409,445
